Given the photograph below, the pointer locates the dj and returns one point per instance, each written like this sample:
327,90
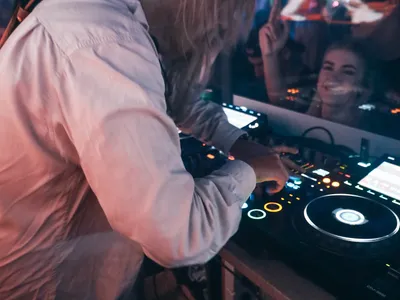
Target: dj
90,169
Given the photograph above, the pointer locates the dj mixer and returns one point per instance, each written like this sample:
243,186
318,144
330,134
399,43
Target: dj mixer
336,224
339,227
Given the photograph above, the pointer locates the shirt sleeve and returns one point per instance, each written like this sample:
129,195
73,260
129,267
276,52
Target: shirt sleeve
111,97
207,122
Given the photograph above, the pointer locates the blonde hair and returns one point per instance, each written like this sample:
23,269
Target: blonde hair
191,32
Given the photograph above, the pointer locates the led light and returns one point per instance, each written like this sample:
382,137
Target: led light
256,214
364,165
253,126
321,172
326,180
245,205
349,216
309,177
335,184
273,207
297,182
210,156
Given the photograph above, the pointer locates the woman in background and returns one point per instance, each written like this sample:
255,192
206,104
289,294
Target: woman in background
344,82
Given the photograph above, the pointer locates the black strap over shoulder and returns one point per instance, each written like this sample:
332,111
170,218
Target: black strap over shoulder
22,9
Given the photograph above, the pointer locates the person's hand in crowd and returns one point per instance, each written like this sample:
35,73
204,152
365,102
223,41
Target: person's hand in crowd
267,162
274,34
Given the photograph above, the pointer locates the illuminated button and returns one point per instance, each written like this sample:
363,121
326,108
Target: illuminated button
363,164
335,184
289,202
349,216
347,176
256,214
298,182
273,207
253,126
291,195
210,156
245,205
230,157
297,198
283,199
326,180
396,202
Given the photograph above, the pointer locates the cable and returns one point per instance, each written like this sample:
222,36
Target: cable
332,140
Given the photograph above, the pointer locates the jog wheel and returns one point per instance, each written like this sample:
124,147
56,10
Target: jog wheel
348,225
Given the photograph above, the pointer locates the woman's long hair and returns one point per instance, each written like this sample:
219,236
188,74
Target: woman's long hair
191,33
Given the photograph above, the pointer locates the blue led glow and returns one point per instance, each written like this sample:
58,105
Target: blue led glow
297,182
292,185
251,197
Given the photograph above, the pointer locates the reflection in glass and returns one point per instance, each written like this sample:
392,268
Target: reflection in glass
341,62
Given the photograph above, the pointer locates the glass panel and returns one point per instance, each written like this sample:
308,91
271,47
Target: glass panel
337,59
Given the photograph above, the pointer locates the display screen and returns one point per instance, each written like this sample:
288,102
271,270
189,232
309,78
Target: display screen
238,119
384,179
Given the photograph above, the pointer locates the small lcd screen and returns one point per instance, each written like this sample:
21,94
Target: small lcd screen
384,179
238,119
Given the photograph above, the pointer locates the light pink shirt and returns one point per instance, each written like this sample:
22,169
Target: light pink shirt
87,145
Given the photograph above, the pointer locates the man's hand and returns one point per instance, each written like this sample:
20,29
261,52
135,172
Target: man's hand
266,162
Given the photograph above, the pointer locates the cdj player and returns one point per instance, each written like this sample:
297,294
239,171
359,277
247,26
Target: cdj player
338,226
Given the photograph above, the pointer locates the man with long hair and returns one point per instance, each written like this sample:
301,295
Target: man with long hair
91,176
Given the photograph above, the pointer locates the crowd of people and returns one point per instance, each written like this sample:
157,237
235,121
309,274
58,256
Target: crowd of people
336,66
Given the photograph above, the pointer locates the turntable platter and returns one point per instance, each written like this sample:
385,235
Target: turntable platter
352,218
345,222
